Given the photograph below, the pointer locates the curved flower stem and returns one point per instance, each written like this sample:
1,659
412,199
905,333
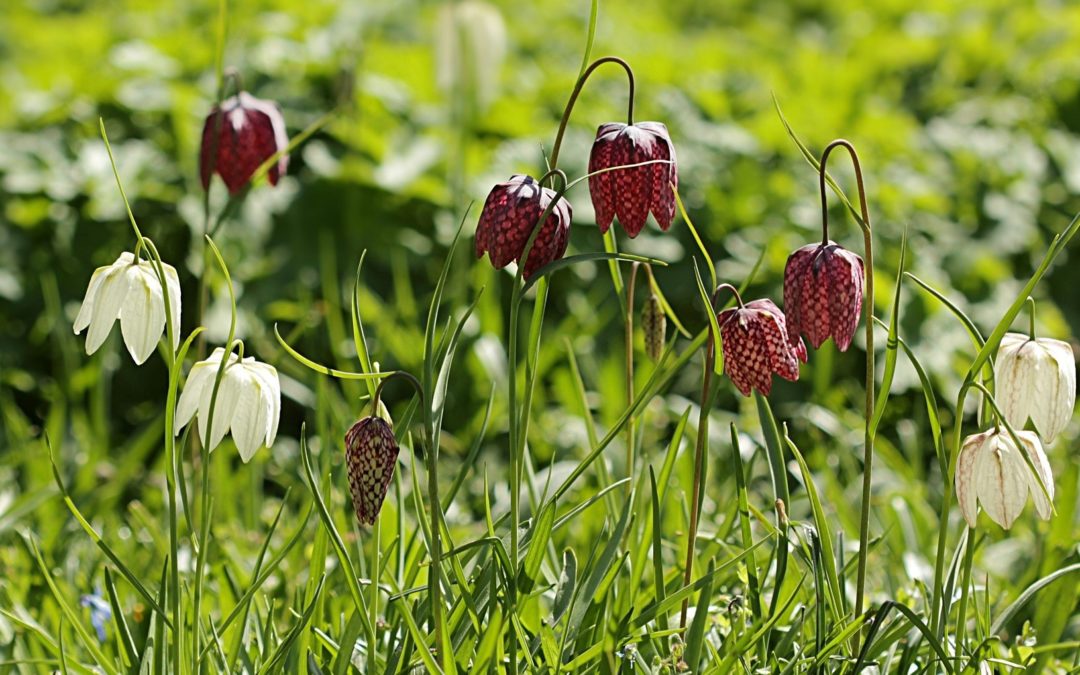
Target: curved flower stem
172,468
630,374
699,448
868,437
554,161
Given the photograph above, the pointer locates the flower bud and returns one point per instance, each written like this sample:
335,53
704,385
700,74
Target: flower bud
371,453
510,214
823,293
756,345
991,471
238,137
630,194
654,324
1036,380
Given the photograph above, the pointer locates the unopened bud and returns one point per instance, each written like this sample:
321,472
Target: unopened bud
654,323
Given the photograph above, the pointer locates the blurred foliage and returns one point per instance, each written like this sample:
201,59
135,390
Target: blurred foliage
966,117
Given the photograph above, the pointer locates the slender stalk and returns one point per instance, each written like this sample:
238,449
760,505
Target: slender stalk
699,460
554,161
1031,317
373,604
630,374
699,448
868,435
961,617
431,457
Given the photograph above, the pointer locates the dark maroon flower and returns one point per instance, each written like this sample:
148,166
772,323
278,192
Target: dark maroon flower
371,453
510,214
756,345
630,194
823,293
249,132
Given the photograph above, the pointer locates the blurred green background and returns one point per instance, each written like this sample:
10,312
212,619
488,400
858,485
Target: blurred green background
966,116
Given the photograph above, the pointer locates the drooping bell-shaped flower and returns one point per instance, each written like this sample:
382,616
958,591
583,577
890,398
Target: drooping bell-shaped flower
756,345
371,453
238,137
631,194
130,291
991,471
248,402
510,214
1036,380
823,294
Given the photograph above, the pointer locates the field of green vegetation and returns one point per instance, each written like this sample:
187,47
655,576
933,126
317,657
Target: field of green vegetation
568,497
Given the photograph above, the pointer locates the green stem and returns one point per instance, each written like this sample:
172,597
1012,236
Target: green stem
937,617
699,448
373,605
554,161
699,461
1031,317
630,374
961,617
868,435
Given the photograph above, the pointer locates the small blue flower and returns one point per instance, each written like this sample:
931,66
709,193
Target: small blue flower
100,612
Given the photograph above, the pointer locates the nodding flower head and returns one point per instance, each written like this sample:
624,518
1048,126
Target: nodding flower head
371,453
756,345
130,290
510,214
823,294
248,403
991,471
238,137
1036,379
631,194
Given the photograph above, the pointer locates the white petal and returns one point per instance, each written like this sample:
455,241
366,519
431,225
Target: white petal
224,405
271,392
142,317
86,310
1042,505
201,373
1012,380
1060,399
965,477
249,422
1001,487
172,282
107,303
206,393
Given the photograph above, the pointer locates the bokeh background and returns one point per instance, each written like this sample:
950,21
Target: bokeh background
966,116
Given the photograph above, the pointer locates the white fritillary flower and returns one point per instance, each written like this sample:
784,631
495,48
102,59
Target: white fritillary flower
991,471
130,291
248,402
1036,379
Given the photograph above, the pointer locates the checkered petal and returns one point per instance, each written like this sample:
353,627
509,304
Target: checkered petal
823,293
756,345
371,453
631,194
602,185
510,213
